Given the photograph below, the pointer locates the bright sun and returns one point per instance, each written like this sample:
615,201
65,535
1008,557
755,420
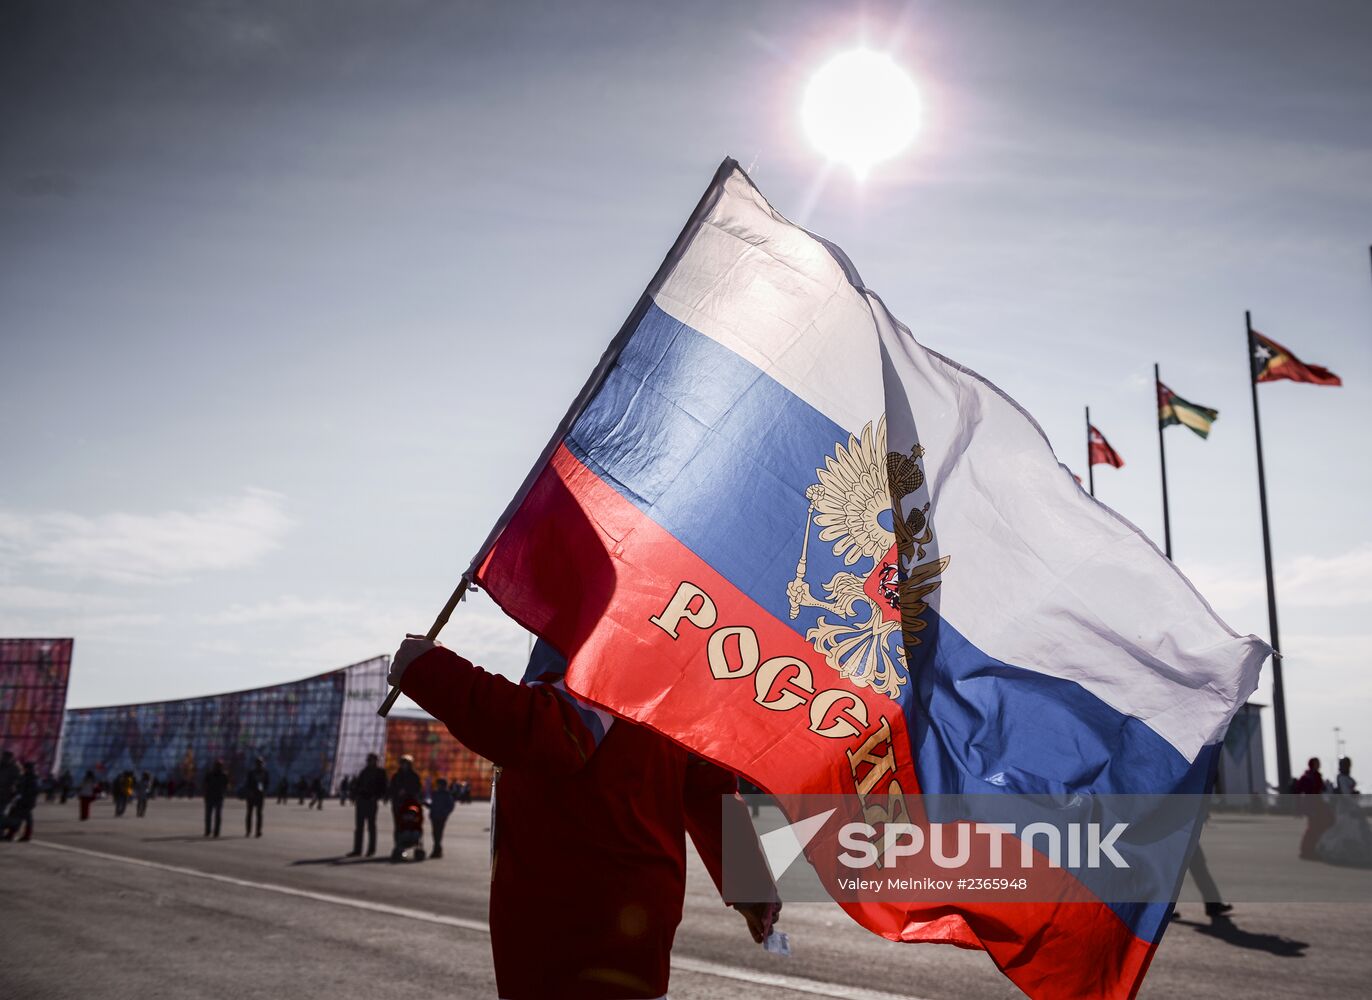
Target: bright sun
861,108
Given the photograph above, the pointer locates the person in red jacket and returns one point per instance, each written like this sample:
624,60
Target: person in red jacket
1318,814
588,866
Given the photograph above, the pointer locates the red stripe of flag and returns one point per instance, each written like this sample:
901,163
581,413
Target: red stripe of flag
1272,362
1100,452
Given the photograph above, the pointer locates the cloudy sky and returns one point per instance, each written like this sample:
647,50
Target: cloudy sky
292,294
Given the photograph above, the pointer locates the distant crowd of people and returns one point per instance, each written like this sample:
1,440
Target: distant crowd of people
1336,831
409,797
366,790
21,788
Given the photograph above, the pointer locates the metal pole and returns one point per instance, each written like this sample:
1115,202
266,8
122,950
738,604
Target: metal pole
1162,459
1090,469
1278,690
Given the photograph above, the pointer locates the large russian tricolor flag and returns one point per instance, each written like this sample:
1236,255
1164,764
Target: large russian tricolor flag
777,529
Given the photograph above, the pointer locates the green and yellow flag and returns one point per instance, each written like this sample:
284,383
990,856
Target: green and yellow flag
1172,409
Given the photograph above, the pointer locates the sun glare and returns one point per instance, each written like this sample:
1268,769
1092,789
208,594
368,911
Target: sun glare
861,108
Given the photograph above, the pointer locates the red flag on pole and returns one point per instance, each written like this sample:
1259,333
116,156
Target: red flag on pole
1272,362
1100,452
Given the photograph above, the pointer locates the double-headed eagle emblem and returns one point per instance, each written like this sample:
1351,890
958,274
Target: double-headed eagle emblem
866,503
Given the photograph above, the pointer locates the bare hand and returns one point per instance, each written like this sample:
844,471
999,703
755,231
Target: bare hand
761,918
410,650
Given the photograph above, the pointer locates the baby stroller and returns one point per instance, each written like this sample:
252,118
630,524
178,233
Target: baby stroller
409,829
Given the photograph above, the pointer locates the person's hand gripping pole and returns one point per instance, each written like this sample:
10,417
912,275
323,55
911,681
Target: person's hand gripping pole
412,647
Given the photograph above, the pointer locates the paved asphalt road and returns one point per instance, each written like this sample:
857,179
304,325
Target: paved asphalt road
148,908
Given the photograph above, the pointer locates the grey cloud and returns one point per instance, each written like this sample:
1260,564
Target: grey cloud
46,185
165,547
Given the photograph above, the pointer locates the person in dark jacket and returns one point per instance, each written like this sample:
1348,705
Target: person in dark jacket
367,789
255,794
9,779
22,804
440,808
405,784
590,824
216,784
142,791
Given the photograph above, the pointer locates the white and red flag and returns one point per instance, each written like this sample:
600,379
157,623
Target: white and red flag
1100,452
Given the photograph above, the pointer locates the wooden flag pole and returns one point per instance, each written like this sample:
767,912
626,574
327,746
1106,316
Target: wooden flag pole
1278,690
434,629
1090,470
1162,459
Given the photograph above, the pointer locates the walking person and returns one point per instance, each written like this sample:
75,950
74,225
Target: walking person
317,794
85,794
216,784
368,788
1215,907
9,778
1348,841
142,792
343,787
23,803
1318,815
404,786
1344,782
255,794
440,808
121,788
64,783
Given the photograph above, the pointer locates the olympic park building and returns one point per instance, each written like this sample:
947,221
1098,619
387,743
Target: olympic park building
319,727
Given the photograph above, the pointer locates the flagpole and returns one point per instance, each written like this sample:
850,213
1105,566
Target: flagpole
1162,458
1278,691
434,629
1090,470
593,384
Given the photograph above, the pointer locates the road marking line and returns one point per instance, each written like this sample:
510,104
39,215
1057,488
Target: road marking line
798,984
812,987
361,904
